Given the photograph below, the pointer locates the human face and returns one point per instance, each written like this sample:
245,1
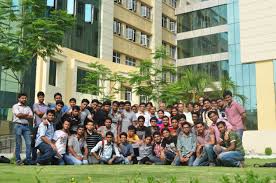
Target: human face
194,117
72,103
83,105
228,99
106,107
115,107
186,129
94,105
148,107
221,128
141,122
152,110
131,133
166,133
214,105
200,100
75,113
196,108
153,123
174,112
190,108
121,107
162,106
107,123
134,109
214,117
58,97
127,107
90,126
123,139
80,131
40,99
181,120
220,103
22,100
180,108
160,114
148,140
199,128
50,117
157,138
165,121
207,105
109,138
174,124
59,107
66,125
142,108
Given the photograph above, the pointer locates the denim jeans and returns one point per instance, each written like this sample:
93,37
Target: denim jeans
156,160
117,160
239,132
207,156
177,162
22,130
169,155
230,159
46,154
93,160
71,160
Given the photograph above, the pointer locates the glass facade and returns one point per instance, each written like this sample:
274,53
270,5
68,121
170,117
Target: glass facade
81,74
204,45
215,69
244,75
84,37
203,18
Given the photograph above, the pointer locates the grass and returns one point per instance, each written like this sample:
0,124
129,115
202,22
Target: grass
125,173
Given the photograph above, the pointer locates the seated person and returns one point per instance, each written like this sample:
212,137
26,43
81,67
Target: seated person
158,153
108,127
145,151
106,151
77,148
133,139
230,151
175,130
153,125
142,131
126,149
168,144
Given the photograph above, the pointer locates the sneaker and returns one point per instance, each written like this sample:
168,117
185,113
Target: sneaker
19,162
241,165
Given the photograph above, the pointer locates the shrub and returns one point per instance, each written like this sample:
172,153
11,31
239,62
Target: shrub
268,151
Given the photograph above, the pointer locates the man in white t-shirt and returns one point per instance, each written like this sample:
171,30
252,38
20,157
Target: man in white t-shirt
142,112
60,139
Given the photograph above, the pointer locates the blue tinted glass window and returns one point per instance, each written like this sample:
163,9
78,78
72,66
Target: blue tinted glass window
51,3
70,6
88,13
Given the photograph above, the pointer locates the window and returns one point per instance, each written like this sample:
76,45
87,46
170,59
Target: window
51,3
145,41
116,27
81,74
145,11
127,94
89,13
172,26
131,5
130,34
172,51
52,73
71,7
164,21
116,57
130,61
172,3
118,1
143,99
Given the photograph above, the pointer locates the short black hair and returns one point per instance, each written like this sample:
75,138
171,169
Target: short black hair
123,134
142,104
128,102
227,92
149,103
181,116
109,133
221,122
212,112
200,122
40,93
206,99
161,111
95,100
57,94
108,118
165,117
60,102
187,123
131,127
22,94
156,133
89,121
196,113
107,102
50,111
72,100
165,129
141,117
122,103
85,100
153,118
174,118
76,108
196,103
116,102
80,126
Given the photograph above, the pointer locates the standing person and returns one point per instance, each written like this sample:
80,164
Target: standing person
186,146
235,114
77,144
116,116
175,130
230,151
39,108
21,116
128,116
166,123
58,97
153,125
142,112
126,149
205,143
84,112
74,118
174,112
141,130
108,152
58,114
44,143
60,139
102,113
208,108
93,107
92,138
72,103
221,107
162,106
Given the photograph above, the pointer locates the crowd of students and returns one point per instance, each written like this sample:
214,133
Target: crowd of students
205,133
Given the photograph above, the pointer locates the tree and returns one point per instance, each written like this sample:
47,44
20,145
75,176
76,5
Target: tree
27,31
95,81
152,76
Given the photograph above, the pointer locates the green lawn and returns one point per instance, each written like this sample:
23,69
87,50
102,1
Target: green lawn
125,173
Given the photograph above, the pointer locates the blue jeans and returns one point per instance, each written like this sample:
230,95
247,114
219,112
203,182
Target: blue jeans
117,160
156,160
239,132
22,130
71,160
46,154
177,162
231,158
169,155
207,156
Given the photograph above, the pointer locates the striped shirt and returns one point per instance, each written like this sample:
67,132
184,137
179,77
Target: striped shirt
92,139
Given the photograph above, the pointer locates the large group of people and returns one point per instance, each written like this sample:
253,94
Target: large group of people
203,133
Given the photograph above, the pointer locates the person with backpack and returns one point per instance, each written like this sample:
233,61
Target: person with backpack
108,152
